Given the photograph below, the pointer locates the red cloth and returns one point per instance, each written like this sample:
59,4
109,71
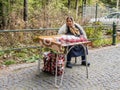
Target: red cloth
50,63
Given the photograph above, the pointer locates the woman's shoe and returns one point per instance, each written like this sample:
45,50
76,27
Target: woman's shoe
69,65
84,63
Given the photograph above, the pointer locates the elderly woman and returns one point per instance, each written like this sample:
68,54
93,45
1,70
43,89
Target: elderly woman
72,28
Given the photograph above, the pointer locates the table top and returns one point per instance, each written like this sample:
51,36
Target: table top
53,43
53,38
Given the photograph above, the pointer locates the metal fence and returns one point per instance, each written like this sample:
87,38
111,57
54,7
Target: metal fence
97,10
13,39
20,45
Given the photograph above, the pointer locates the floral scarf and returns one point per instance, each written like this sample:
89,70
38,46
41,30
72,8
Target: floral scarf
75,31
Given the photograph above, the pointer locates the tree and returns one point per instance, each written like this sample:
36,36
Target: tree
4,13
76,7
117,5
69,4
25,17
111,3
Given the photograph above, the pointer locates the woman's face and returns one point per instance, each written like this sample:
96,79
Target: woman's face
69,22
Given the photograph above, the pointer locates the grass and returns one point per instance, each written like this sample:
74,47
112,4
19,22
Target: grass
9,62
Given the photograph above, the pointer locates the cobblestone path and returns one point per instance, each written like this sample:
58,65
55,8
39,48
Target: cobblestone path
104,74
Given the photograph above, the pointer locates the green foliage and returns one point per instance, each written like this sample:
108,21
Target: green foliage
32,59
97,23
90,32
94,32
97,43
96,35
9,62
109,32
21,53
1,54
20,56
112,3
102,42
107,42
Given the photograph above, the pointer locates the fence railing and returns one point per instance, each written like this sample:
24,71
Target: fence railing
18,46
9,39
23,39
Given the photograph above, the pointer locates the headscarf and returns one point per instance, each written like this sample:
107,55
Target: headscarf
74,30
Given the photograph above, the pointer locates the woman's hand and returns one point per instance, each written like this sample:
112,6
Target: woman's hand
72,26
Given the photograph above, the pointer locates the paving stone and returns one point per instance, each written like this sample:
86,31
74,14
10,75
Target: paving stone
104,74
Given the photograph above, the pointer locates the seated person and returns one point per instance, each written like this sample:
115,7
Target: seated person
72,28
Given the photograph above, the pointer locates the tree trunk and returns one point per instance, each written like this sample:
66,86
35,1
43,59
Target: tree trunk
76,7
117,5
25,13
68,4
2,16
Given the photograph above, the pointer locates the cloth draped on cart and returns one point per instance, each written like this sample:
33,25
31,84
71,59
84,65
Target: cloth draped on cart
49,60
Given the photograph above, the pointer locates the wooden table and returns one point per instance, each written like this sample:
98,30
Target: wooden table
53,43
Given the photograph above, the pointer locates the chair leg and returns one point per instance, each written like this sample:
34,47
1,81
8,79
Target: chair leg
75,59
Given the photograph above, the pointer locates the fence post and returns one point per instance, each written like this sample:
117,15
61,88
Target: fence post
114,34
96,12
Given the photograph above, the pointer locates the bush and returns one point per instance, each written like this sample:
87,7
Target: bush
96,35
9,62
